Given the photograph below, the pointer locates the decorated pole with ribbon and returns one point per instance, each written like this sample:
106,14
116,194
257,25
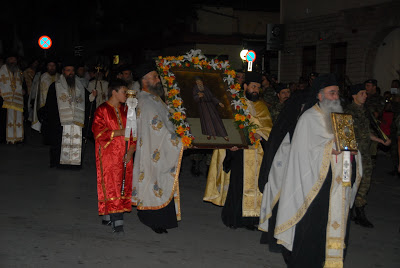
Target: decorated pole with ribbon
130,127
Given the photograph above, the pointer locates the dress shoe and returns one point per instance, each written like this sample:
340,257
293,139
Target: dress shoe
250,227
208,137
104,222
361,219
226,138
118,229
159,230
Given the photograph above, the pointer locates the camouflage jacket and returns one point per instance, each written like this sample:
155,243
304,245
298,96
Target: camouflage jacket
275,109
361,125
269,96
375,104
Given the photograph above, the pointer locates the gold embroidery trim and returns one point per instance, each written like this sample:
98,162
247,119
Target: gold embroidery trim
115,198
116,211
101,133
276,199
174,188
79,124
346,184
312,194
103,186
111,139
333,264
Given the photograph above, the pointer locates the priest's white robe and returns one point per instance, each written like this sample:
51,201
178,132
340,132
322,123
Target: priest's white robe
45,80
308,162
11,91
71,107
158,156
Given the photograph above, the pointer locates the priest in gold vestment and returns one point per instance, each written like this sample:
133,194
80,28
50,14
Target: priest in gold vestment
232,180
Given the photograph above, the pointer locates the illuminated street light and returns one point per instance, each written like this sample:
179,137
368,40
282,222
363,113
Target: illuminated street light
243,54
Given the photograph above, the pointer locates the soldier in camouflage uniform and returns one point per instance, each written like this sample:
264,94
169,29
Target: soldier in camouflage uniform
282,94
375,104
268,91
395,127
364,136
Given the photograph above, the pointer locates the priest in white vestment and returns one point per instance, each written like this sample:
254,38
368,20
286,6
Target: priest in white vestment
40,90
98,89
157,159
65,108
307,177
12,93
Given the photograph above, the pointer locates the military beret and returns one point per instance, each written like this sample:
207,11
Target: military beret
372,81
280,87
354,89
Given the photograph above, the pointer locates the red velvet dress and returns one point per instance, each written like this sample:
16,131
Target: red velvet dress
110,152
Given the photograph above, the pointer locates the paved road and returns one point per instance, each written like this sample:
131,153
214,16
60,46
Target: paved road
49,219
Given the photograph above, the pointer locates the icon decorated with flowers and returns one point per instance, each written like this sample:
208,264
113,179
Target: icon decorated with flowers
195,60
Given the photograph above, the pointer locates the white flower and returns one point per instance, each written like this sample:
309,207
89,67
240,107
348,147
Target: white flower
229,79
237,103
233,91
180,110
225,64
213,64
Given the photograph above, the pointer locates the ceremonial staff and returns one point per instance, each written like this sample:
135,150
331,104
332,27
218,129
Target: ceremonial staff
130,127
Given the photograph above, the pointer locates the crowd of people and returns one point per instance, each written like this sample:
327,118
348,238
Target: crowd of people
297,187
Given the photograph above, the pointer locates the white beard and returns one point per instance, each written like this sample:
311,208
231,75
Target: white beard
328,107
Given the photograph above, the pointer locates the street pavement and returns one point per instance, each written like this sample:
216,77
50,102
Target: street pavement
49,219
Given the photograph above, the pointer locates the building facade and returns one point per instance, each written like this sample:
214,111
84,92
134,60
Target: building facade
357,41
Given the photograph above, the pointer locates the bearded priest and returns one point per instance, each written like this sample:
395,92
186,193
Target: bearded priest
65,109
158,156
314,196
242,200
12,93
43,85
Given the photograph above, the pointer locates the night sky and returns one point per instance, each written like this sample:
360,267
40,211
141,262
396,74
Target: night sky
144,24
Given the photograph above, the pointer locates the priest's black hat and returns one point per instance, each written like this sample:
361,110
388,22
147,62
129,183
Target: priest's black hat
11,54
124,67
280,86
50,59
145,68
323,81
354,89
253,77
69,61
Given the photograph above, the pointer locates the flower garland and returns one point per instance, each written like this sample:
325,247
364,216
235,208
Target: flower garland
194,59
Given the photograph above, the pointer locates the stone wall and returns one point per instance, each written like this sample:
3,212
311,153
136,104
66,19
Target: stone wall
363,29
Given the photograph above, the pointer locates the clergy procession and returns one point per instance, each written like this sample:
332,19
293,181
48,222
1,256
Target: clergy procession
300,181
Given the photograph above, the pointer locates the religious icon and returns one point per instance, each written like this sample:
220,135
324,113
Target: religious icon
208,108
344,133
211,123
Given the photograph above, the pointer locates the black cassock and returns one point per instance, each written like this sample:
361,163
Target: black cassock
160,218
232,210
285,123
